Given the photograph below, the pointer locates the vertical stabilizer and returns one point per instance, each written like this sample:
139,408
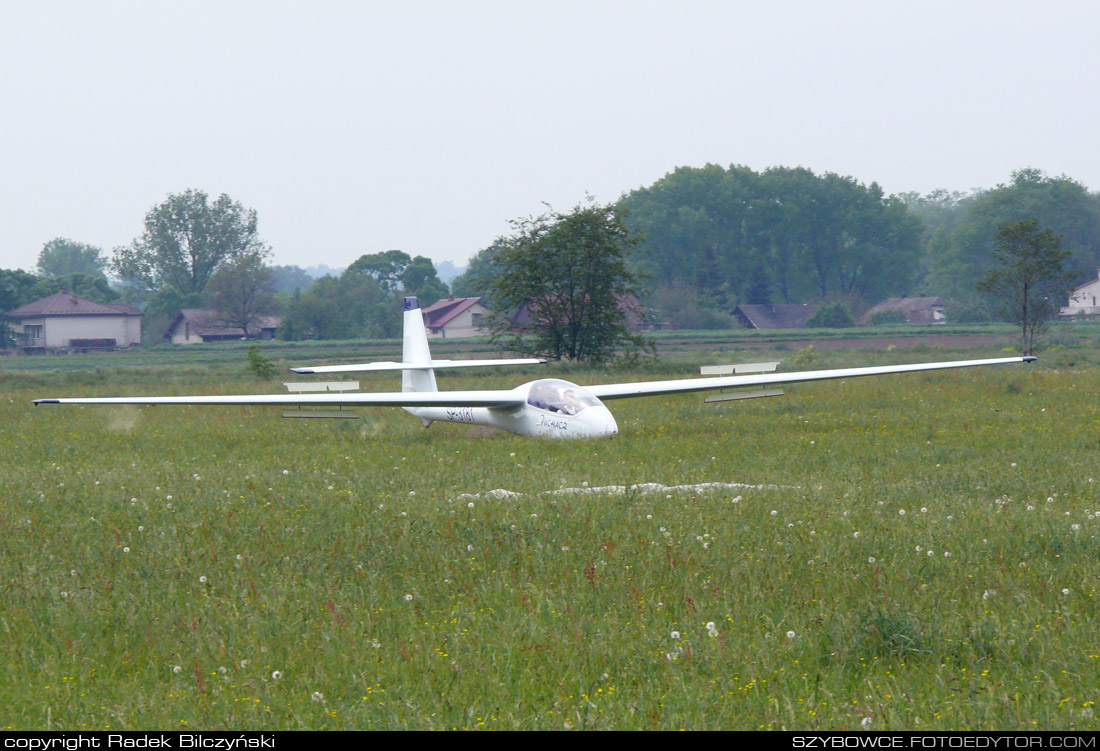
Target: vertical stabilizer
415,350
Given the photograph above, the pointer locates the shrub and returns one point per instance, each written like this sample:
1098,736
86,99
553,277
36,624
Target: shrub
831,315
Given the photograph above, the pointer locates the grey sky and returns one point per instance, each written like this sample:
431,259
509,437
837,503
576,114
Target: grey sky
355,127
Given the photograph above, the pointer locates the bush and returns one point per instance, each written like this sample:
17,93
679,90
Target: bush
258,364
831,315
885,317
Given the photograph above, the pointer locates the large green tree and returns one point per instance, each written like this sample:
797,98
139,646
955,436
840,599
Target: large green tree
61,257
570,273
395,270
186,238
1029,280
784,235
242,291
961,253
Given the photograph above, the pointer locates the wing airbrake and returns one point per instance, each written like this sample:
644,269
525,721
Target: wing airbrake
655,388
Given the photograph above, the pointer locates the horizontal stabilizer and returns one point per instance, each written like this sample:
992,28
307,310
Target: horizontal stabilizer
430,365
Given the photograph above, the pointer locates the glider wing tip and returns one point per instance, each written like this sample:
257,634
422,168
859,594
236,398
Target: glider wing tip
1030,358
46,401
302,371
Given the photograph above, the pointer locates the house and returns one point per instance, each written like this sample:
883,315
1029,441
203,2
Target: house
196,325
773,316
916,309
1084,299
455,317
66,322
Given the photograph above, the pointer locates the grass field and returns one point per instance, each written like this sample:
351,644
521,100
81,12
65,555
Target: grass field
915,551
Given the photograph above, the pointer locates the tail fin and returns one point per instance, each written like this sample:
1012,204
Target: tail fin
415,351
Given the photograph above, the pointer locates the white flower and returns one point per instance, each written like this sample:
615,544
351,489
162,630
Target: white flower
375,643
865,723
471,505
286,471
675,635
901,512
855,534
710,625
202,580
176,668
317,696
871,559
1065,591
276,675
126,550
924,509
408,598
791,634
947,554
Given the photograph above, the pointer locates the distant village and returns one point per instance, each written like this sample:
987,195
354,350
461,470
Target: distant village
65,322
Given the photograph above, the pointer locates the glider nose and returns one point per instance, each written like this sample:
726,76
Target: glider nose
598,422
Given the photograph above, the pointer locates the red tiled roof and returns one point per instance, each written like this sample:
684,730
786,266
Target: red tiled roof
65,304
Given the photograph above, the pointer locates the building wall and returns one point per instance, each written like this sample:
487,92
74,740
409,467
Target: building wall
58,331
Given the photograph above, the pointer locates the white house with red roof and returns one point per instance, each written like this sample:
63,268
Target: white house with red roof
65,321
1084,299
456,317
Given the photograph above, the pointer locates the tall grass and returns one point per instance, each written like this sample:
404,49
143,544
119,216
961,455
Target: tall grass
921,553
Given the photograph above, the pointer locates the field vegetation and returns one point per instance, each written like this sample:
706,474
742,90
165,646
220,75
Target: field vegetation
915,551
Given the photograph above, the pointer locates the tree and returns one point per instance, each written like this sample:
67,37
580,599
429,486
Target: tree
186,238
1030,280
395,270
570,270
242,291
62,257
961,252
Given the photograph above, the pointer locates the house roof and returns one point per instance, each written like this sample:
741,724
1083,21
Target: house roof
775,316
65,304
207,322
441,312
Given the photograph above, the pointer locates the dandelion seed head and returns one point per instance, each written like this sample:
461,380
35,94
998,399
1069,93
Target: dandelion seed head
791,634
675,635
408,598
202,580
276,675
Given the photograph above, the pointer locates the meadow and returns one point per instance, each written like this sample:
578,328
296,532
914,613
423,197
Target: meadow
905,552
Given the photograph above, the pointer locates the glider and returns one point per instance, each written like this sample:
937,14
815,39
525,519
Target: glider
546,407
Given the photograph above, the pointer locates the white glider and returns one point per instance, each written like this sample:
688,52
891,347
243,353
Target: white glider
546,407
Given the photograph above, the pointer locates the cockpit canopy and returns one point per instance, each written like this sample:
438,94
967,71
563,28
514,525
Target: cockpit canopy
560,396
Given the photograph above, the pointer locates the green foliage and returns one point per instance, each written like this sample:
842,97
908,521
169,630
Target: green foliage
783,235
394,270
805,356
242,291
258,364
1030,280
63,257
354,306
477,279
16,288
962,253
92,287
569,272
833,314
886,317
186,238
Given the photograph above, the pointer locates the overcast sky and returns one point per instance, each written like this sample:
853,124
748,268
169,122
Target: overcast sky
356,127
